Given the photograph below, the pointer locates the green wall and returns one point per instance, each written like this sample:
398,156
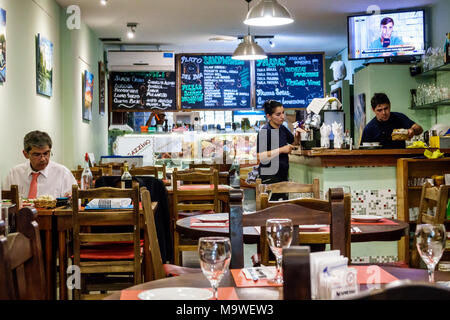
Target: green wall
24,110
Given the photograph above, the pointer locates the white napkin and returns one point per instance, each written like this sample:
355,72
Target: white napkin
259,272
208,224
338,133
109,203
325,131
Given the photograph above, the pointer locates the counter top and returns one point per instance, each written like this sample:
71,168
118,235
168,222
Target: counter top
360,157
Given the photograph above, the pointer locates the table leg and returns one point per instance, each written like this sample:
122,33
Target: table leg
62,265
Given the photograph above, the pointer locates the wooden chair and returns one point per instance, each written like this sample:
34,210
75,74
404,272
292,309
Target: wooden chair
223,169
106,252
159,169
285,187
302,212
432,210
192,202
12,194
159,269
149,171
22,275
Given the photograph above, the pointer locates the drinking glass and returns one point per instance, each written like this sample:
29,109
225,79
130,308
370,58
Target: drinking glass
279,236
430,242
215,256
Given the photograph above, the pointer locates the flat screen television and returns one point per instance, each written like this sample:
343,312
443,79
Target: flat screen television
388,34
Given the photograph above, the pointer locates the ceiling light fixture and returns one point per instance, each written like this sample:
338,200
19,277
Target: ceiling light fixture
268,13
248,49
104,2
132,29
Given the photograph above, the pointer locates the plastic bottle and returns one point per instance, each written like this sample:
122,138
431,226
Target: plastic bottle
125,179
86,177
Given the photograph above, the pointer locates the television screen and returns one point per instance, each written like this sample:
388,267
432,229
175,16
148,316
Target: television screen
386,34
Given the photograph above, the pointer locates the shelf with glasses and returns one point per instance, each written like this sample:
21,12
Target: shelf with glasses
432,105
432,72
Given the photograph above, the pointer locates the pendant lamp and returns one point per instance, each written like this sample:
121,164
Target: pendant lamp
268,13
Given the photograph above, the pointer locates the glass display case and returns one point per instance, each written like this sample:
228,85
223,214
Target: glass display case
179,149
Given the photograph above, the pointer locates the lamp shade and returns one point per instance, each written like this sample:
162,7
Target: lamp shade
248,49
268,13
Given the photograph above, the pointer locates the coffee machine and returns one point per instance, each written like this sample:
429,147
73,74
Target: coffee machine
311,119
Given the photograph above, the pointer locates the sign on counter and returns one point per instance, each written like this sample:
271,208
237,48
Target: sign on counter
143,91
292,79
212,81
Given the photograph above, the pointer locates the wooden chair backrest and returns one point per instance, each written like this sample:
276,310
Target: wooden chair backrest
285,187
433,197
305,211
296,273
144,172
207,199
150,229
22,275
158,169
12,194
125,217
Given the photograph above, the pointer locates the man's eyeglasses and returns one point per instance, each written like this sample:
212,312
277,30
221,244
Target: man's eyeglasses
36,155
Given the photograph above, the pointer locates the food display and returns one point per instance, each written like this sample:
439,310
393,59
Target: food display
45,201
400,134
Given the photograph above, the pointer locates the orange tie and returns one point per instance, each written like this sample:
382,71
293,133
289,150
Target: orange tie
33,185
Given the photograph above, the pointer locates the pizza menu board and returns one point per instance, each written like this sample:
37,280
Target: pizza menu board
143,91
292,79
213,81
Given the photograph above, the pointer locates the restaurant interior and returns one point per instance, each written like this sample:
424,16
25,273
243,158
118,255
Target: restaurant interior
157,110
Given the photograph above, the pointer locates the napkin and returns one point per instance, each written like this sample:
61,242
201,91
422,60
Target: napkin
433,155
109,203
196,223
325,131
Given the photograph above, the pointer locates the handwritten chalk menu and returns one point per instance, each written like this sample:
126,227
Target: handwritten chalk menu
214,82
140,91
292,79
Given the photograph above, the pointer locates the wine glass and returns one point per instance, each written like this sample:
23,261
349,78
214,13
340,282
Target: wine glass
215,256
279,236
430,242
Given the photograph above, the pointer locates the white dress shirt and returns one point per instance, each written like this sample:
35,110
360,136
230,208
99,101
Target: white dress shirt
55,180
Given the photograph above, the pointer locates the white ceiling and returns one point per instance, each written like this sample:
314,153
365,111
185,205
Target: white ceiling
187,25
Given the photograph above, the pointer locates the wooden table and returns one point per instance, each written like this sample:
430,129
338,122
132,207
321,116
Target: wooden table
198,280
62,224
251,234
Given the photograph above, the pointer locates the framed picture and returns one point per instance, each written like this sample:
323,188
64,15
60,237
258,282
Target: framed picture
2,45
337,93
44,66
88,95
359,117
101,88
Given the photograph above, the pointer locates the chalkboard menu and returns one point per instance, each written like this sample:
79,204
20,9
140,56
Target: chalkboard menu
140,91
292,79
210,81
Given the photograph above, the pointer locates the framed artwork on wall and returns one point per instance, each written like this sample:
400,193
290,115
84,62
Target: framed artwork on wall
101,88
2,45
44,66
88,95
359,117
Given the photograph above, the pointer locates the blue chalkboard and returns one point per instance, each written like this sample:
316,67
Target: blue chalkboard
292,79
213,81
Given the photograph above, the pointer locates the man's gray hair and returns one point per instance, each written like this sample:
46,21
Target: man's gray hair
38,139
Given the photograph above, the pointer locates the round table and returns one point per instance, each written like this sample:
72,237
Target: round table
198,280
251,234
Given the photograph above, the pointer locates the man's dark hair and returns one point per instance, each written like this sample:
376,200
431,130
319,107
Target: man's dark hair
270,105
38,139
385,21
379,98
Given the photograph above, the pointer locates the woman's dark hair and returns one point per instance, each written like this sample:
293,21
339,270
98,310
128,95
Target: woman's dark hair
36,139
379,98
270,105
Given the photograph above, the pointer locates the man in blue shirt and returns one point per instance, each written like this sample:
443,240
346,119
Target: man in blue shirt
380,128
274,143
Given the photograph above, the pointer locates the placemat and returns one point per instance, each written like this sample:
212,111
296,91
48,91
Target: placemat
242,282
373,274
382,222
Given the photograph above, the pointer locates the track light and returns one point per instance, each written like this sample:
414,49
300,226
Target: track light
132,29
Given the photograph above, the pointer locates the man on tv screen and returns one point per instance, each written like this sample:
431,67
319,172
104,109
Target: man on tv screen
386,39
